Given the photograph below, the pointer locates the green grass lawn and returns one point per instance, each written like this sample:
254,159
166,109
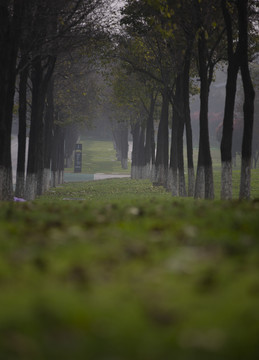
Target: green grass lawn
99,157
120,270
128,272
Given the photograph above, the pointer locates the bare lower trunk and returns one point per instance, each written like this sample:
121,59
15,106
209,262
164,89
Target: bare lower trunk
181,183
169,180
226,180
153,173
134,172
46,179
6,184
40,182
146,172
174,182
138,172
31,187
209,183
20,184
191,181
124,163
249,96
61,177
54,178
199,192
245,180
161,175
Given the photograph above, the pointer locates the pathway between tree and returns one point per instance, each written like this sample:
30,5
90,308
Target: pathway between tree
68,177
75,177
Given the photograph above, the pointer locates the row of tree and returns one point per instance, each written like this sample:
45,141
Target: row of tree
165,46
162,51
45,52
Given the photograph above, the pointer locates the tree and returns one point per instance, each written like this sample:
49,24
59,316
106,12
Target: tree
233,52
133,106
209,35
56,29
11,13
151,57
249,95
177,27
168,28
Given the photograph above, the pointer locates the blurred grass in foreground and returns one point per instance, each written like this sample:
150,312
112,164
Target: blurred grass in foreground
128,273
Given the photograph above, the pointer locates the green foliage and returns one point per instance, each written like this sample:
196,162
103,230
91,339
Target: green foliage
76,89
128,273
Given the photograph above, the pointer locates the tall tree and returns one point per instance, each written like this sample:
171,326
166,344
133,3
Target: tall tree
233,54
209,35
61,27
11,13
249,95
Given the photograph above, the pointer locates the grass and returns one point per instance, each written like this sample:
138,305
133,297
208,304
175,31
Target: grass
128,272
99,157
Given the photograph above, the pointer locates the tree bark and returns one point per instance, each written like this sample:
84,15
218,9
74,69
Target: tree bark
180,132
150,141
204,168
120,135
135,130
173,168
36,132
21,156
57,156
41,76
187,118
227,133
10,20
249,95
177,177
161,162
71,138
48,137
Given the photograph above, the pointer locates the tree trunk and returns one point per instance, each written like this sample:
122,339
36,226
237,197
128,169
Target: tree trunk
249,96
227,133
141,152
173,168
150,141
57,156
48,130
161,163
71,138
187,118
204,168
35,167
176,181
20,173
180,132
120,136
61,157
10,21
124,147
135,136
138,155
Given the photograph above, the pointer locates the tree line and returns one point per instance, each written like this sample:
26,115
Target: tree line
172,48
163,52
45,53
